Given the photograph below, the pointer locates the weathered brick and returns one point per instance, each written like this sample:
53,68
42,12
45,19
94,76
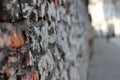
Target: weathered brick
46,42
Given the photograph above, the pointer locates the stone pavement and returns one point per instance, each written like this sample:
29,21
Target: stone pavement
116,41
105,64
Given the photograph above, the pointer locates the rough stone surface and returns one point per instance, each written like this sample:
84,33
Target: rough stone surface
44,40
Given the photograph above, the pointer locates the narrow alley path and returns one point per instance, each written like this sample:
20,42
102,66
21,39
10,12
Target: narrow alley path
105,64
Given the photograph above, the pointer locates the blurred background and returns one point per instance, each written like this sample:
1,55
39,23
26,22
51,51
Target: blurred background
105,52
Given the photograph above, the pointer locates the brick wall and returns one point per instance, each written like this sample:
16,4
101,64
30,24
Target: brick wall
43,40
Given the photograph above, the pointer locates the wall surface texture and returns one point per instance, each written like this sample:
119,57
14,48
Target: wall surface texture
43,40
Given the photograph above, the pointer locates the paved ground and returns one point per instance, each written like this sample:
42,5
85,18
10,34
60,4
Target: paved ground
116,41
105,64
